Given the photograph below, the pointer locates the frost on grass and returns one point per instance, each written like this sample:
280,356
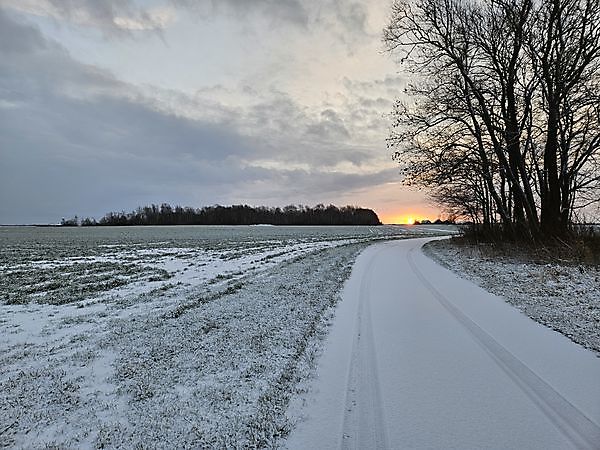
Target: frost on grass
149,337
563,297
60,266
214,367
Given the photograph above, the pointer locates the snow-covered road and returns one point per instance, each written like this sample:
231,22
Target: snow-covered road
419,358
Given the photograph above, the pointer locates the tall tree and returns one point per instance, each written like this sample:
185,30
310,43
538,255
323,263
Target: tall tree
495,91
565,50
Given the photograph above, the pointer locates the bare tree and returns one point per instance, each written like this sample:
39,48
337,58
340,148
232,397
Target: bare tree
565,50
510,89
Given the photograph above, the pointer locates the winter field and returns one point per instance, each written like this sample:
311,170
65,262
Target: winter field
137,336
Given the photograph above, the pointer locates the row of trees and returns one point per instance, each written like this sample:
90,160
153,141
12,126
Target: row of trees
166,214
503,116
449,221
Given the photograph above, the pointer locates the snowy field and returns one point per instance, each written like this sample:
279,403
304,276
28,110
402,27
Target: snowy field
564,297
195,336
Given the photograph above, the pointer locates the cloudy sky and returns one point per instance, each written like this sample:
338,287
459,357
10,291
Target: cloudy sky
106,105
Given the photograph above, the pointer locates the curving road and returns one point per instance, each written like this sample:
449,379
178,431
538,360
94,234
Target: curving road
419,358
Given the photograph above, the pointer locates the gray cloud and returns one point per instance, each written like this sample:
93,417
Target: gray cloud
352,15
310,187
391,86
345,19
275,11
329,127
129,15
61,155
76,140
16,38
113,17
61,152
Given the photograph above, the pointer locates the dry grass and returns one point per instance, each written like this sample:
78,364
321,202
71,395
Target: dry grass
580,247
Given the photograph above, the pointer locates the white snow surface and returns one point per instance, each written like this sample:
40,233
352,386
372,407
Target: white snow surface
420,358
561,296
204,344
205,368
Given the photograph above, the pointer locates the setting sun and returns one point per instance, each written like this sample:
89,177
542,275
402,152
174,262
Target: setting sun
408,214
402,219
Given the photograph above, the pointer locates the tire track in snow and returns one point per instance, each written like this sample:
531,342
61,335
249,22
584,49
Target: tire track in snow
364,424
575,425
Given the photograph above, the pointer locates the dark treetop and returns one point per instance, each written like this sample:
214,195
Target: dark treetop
165,214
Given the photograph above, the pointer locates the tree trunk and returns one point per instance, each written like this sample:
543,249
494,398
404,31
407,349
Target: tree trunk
551,223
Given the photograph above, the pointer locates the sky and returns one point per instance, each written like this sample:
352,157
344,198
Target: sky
106,105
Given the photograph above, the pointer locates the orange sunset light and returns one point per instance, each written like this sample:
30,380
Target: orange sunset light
405,219
408,215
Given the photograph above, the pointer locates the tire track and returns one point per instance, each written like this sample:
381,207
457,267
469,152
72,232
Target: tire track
364,425
575,425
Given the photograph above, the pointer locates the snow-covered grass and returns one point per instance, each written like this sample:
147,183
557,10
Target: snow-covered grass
206,357
561,296
214,370
58,265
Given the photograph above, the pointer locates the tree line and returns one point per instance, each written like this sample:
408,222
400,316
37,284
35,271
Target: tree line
166,214
502,118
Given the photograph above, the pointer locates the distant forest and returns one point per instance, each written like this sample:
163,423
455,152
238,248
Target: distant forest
166,214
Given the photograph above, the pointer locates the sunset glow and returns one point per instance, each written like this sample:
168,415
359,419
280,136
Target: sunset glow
402,219
408,213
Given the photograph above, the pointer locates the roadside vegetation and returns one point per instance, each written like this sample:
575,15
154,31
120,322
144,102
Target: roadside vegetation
581,246
558,286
